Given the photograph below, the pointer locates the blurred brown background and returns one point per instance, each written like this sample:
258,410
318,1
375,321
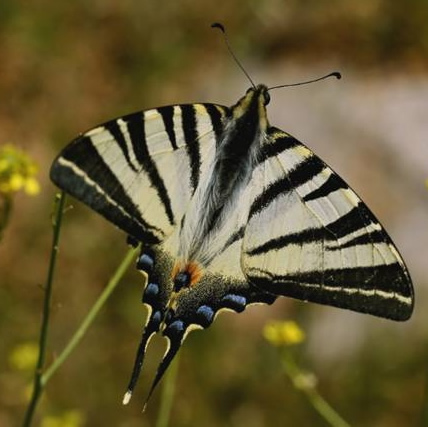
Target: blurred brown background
66,66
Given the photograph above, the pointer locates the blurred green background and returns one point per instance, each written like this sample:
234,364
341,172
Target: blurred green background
66,66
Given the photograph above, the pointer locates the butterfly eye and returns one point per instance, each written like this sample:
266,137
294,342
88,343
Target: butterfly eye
267,97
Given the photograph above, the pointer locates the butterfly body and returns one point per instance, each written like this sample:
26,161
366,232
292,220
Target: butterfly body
231,211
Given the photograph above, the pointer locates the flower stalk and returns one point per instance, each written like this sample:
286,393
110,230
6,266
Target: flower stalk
38,384
284,336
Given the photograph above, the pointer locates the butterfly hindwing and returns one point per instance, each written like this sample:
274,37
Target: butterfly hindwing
176,314
309,236
140,171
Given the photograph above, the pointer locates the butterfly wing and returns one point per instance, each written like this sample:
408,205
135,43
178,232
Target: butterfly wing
140,171
310,237
193,308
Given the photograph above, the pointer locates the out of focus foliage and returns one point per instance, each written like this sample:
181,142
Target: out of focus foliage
66,66
17,172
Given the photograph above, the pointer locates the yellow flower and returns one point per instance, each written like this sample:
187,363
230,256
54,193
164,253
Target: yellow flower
32,186
281,333
71,418
17,171
3,165
16,181
24,356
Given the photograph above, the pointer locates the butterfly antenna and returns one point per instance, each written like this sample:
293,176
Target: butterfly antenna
333,74
223,30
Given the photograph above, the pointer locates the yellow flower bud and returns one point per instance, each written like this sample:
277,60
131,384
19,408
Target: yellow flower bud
16,182
17,171
31,186
24,356
283,333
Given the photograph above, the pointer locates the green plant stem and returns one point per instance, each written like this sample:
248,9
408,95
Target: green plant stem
5,211
41,379
167,396
38,383
81,331
297,376
424,412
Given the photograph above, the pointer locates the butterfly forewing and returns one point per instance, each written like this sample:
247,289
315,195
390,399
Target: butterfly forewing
141,170
309,236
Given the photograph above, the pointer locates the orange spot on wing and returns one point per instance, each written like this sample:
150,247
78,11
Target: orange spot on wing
178,266
196,272
193,268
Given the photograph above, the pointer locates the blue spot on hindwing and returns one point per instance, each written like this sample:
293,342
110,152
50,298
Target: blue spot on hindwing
175,330
205,315
145,262
157,317
234,302
150,293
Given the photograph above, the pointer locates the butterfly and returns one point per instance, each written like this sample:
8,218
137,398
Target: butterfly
230,211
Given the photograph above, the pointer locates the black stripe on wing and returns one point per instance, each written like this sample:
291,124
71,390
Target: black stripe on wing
136,129
302,173
167,114
383,290
192,144
316,235
376,236
117,134
123,212
280,142
306,236
357,219
238,235
215,113
333,183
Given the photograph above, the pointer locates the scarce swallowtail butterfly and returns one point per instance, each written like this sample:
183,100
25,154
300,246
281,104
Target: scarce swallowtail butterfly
230,211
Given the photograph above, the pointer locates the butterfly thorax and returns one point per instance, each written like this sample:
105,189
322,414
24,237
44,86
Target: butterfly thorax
207,224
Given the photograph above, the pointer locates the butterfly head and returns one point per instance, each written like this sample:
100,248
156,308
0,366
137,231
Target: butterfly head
261,92
252,106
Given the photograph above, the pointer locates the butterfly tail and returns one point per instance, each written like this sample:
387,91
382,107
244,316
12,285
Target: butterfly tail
175,334
150,329
155,297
